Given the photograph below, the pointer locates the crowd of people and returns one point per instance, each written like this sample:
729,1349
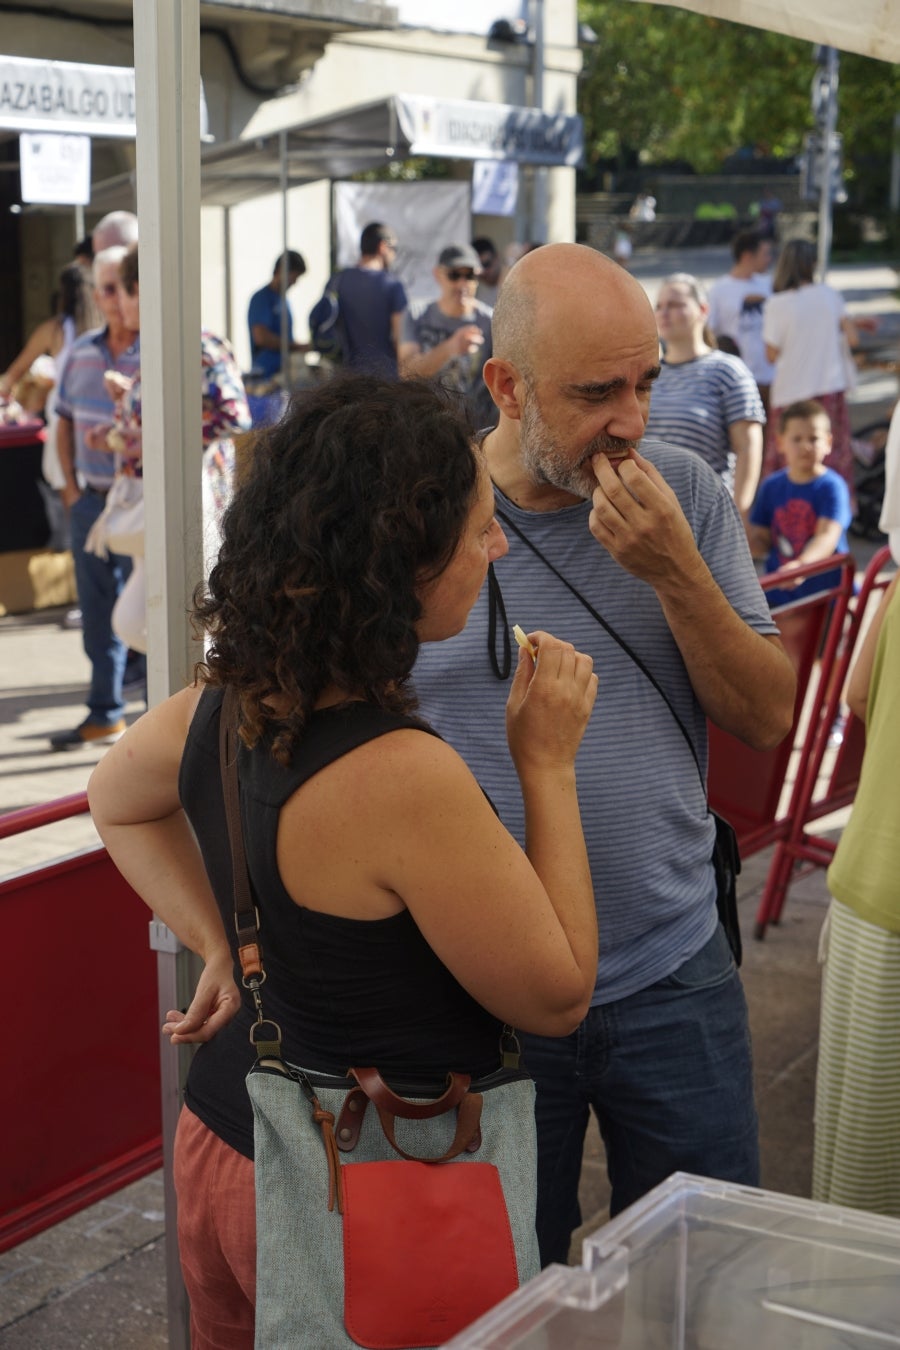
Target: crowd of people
536,442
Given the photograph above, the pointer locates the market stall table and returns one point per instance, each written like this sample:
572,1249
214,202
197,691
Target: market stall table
23,519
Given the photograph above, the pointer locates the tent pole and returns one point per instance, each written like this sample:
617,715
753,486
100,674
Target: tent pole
825,186
538,226
285,349
167,88
226,258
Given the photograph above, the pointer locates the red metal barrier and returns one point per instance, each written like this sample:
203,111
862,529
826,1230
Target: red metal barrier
79,1065
746,786
819,793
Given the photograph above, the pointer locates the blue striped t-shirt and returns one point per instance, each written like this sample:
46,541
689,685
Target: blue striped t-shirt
643,805
81,397
695,402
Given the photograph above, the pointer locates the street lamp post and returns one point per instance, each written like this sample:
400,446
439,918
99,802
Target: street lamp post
825,87
539,185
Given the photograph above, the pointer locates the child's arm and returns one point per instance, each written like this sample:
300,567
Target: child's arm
822,544
758,522
760,537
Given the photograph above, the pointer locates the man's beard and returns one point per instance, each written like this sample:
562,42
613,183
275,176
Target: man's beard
547,463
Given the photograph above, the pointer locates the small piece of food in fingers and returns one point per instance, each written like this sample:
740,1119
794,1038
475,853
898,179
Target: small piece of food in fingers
524,641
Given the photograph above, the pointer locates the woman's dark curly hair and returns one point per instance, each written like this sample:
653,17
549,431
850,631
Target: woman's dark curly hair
358,496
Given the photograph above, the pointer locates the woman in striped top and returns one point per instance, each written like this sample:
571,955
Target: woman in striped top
705,400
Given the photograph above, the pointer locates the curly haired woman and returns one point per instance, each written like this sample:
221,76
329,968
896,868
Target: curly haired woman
365,528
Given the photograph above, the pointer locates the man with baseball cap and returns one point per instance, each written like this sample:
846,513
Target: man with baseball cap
449,339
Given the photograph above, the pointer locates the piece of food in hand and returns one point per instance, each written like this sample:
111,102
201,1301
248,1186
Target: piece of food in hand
117,385
116,441
525,641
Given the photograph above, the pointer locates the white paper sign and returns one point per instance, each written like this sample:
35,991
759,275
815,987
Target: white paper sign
495,187
55,169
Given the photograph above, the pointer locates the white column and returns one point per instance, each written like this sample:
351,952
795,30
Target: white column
167,87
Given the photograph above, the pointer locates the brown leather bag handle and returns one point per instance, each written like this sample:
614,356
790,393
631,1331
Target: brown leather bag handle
378,1092
466,1137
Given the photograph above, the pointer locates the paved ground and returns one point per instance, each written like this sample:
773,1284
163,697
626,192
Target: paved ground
97,1280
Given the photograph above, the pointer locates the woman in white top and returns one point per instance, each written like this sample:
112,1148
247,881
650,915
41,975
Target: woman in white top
808,334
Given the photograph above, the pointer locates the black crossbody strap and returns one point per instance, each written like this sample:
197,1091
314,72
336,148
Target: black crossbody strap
245,920
493,588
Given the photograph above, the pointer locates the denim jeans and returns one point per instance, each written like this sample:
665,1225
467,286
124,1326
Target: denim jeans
668,1073
99,582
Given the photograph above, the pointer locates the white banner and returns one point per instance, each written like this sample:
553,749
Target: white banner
464,129
55,169
459,16
425,216
63,96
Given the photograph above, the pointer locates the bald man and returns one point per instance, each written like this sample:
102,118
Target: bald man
649,542
114,229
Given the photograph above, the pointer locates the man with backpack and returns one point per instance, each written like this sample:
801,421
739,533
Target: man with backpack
357,321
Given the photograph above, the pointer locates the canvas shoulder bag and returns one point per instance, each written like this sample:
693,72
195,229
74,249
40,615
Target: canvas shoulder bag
388,1216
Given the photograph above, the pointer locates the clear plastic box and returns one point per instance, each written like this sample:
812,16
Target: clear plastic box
704,1265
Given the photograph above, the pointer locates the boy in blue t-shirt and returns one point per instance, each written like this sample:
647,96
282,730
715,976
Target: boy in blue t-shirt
801,513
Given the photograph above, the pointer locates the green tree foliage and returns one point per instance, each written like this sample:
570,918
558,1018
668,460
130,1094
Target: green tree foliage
667,84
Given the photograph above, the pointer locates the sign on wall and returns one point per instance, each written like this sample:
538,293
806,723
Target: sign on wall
55,169
65,96
495,187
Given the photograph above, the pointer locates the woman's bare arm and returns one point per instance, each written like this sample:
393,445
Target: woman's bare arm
133,795
857,693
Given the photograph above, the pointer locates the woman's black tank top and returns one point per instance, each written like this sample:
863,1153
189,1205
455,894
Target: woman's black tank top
344,991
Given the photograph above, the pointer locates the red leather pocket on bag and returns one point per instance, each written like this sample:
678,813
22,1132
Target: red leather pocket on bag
427,1249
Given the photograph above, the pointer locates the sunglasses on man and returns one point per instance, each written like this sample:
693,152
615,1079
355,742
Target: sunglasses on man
460,274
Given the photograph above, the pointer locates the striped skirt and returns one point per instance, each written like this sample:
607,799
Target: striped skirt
856,1158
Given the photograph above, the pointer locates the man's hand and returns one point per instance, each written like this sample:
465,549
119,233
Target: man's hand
95,438
70,494
743,680
638,519
465,338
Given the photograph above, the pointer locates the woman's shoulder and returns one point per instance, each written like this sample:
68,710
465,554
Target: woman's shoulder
726,371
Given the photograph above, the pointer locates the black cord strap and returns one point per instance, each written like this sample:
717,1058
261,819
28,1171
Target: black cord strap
495,604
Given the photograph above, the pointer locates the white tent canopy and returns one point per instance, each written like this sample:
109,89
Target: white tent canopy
869,27
167,71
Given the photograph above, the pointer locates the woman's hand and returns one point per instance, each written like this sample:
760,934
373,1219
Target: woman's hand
215,1002
549,704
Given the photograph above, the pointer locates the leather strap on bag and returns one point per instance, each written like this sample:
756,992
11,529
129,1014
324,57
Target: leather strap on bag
265,1036
372,1088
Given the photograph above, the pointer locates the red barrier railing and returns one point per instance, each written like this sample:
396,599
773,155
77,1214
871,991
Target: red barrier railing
747,786
818,790
79,1064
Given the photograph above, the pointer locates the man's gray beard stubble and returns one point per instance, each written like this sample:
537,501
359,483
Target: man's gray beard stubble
547,465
